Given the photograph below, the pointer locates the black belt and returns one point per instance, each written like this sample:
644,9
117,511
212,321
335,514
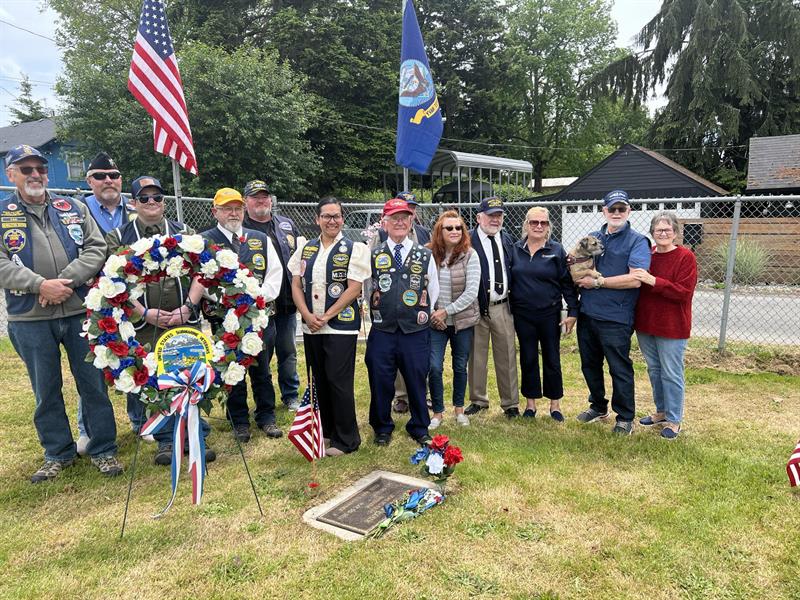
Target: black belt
503,301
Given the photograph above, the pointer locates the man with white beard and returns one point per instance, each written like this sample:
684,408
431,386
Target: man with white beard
51,247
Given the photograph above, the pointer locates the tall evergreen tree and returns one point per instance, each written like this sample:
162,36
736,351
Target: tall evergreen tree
26,108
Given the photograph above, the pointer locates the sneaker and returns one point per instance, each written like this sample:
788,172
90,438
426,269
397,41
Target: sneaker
652,419
271,430
83,445
623,428
108,465
164,455
50,470
242,432
511,413
293,405
529,413
333,451
400,406
434,423
383,439
462,420
670,431
590,415
474,409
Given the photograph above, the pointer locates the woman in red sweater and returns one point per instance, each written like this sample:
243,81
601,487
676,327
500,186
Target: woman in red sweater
664,320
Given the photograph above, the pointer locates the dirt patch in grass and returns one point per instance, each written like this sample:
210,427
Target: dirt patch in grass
782,361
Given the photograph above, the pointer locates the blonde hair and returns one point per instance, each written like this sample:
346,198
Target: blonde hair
529,214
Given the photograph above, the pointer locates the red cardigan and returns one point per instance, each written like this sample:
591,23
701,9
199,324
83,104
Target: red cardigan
665,309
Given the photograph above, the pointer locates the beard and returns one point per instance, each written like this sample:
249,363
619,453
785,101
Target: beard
108,194
233,226
261,212
34,191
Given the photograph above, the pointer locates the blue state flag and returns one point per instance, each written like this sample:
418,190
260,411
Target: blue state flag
419,120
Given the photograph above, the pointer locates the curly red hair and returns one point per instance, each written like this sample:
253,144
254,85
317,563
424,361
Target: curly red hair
437,244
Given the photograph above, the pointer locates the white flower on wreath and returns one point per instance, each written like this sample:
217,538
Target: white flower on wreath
163,251
141,246
150,362
136,291
94,299
209,268
227,259
150,266
125,383
251,343
233,374
85,333
218,352
116,314
261,320
192,243
231,322
115,264
175,267
435,463
126,330
109,288
251,285
103,357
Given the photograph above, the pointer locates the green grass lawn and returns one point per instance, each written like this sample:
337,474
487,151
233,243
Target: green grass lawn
537,510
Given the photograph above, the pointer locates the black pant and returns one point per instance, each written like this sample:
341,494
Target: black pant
534,330
332,359
261,384
605,339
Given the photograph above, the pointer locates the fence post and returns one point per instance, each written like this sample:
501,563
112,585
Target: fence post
726,301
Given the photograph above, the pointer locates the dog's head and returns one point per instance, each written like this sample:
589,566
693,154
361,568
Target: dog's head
591,246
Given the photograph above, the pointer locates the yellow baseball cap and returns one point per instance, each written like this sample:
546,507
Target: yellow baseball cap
226,196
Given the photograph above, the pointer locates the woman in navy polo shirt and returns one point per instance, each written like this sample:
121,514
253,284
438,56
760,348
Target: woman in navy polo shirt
541,279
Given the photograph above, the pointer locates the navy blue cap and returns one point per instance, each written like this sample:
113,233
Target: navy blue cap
409,197
142,182
19,153
616,197
491,205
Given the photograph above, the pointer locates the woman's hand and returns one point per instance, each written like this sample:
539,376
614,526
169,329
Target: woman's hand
438,318
643,276
568,323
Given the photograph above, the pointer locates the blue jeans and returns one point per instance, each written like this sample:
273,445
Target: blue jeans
38,344
460,346
134,408
286,351
664,357
606,339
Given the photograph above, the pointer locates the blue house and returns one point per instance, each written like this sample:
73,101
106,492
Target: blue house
67,166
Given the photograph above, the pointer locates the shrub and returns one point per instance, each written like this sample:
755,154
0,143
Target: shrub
750,263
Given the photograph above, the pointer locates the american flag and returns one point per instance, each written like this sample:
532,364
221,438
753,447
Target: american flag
306,430
155,82
793,467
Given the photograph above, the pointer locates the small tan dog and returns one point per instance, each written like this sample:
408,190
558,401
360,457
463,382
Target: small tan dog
581,259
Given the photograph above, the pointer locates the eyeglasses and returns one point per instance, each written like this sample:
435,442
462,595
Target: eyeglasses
102,176
330,218
230,209
617,209
41,170
399,218
452,227
663,231
535,223
157,198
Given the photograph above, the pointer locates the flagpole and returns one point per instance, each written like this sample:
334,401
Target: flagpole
176,182
314,428
405,179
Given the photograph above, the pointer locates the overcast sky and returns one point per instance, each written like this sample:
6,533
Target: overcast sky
39,58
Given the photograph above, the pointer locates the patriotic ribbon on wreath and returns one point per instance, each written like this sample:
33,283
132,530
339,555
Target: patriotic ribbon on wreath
184,411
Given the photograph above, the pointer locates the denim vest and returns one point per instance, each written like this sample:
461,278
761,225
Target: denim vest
336,278
400,291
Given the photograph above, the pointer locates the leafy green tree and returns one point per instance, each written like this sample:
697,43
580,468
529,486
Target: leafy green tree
555,47
25,107
732,71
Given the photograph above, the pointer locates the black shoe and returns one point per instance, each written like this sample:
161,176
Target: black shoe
474,409
511,413
383,439
164,455
211,456
242,432
271,430
423,440
529,413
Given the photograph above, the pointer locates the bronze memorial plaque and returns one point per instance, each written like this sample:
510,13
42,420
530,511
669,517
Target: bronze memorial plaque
364,510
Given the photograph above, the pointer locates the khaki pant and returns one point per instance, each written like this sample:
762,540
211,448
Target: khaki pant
499,328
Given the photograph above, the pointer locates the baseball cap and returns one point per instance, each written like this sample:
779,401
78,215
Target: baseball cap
18,153
138,184
491,205
616,197
409,197
226,196
255,186
395,205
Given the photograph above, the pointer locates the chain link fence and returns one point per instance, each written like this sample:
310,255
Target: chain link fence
746,248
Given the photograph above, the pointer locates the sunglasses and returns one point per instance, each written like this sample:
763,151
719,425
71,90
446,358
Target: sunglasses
102,176
452,227
535,223
41,169
617,209
157,198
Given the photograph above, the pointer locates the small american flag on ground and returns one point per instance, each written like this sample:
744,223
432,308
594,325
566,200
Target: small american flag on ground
154,80
793,467
306,430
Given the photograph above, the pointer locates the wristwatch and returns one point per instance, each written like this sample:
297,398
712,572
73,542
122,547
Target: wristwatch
192,307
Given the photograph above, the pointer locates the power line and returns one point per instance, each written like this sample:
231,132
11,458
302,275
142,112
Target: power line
21,79
27,30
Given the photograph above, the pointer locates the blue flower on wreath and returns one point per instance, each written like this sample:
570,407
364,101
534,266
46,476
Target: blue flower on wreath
137,262
104,338
229,276
124,363
420,455
205,256
106,312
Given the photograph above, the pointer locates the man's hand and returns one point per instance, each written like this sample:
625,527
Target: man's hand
568,323
158,318
179,316
54,291
586,282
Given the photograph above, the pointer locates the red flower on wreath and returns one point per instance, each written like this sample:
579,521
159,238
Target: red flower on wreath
439,442
107,324
170,243
119,299
241,310
141,376
130,269
261,302
140,352
452,456
231,340
108,376
119,348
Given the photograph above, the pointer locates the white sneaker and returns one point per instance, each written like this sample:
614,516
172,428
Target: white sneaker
434,423
83,445
462,419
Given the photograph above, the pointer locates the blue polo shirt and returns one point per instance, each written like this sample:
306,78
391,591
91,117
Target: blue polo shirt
624,250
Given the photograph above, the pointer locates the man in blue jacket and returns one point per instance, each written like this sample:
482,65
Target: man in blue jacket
605,322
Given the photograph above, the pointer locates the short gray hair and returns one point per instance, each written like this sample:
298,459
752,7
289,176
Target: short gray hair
668,216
